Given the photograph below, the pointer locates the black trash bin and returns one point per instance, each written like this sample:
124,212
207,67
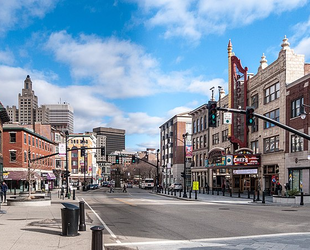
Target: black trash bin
69,219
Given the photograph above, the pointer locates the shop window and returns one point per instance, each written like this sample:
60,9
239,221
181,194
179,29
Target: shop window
297,144
295,179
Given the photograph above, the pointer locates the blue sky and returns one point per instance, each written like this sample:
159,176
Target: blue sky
133,64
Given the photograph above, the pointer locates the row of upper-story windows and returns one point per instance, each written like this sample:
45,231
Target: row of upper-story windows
32,141
200,124
46,161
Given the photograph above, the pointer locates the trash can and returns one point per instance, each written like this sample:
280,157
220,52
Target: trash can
69,219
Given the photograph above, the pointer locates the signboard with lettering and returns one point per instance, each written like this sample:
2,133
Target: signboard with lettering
246,160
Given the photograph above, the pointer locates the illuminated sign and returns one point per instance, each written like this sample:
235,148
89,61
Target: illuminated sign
246,160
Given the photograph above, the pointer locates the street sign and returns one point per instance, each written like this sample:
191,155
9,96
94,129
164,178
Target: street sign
227,118
195,185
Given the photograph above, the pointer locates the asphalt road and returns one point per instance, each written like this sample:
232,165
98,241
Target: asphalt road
140,217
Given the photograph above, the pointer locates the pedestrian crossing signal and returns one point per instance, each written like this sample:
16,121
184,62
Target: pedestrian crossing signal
133,159
117,159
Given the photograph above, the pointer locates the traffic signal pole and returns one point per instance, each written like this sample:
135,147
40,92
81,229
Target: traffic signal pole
288,128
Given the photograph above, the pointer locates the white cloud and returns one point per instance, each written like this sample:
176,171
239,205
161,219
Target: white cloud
203,87
7,57
21,12
303,47
118,68
137,123
192,19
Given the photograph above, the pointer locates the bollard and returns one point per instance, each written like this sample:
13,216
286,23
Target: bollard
195,194
239,193
82,226
180,193
248,193
218,192
257,196
96,239
230,192
263,201
165,190
254,196
301,198
73,197
175,192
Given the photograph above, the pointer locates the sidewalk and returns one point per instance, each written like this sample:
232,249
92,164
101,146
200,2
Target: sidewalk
38,228
218,197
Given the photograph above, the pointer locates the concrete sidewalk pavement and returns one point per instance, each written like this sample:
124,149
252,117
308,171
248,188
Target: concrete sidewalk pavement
38,228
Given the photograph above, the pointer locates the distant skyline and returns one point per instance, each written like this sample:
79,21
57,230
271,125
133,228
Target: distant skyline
134,64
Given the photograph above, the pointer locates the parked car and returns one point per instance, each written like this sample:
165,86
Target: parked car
105,184
175,186
129,185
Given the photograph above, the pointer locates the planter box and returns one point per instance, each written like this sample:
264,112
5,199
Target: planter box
28,203
290,200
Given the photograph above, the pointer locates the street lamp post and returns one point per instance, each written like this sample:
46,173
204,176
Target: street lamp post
184,192
67,170
157,174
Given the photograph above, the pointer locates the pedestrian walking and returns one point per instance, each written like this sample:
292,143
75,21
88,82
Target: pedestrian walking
1,194
4,188
124,188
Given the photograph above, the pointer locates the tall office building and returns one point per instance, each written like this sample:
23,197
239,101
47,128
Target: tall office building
115,138
61,116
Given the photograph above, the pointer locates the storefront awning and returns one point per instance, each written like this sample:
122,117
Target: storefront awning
18,175
50,176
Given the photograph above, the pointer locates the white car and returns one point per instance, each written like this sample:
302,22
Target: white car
175,186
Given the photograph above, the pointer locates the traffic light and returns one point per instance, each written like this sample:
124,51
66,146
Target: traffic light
117,159
249,116
182,174
66,174
212,114
133,159
102,151
82,152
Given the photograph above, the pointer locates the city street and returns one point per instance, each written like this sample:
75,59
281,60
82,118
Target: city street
142,219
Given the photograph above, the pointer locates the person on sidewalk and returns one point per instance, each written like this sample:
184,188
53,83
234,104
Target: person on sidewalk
4,188
124,188
1,194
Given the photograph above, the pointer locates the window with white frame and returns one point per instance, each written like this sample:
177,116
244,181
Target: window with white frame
297,143
274,115
272,93
12,155
254,147
295,107
271,144
215,139
12,137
